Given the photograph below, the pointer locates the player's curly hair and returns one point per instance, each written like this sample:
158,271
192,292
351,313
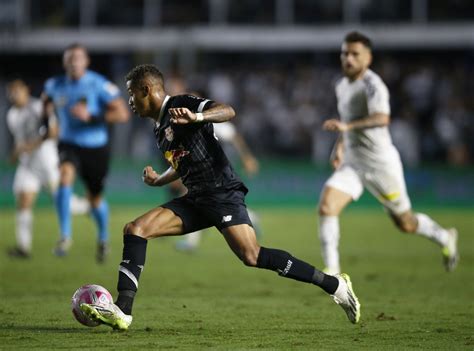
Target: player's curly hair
358,37
140,72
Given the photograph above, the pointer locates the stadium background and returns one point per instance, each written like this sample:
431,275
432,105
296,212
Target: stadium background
275,61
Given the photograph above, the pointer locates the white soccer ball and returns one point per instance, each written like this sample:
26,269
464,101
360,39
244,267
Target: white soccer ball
91,294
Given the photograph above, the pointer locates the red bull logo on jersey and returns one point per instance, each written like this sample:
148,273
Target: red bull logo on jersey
174,156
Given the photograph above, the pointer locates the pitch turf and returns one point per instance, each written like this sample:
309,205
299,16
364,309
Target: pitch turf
210,300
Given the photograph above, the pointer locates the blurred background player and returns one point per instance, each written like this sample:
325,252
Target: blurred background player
36,152
232,142
85,102
364,157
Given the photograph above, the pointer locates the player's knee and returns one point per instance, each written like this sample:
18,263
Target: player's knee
249,257
133,228
326,209
407,226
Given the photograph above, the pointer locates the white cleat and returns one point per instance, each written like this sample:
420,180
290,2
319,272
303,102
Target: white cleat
450,251
110,315
346,298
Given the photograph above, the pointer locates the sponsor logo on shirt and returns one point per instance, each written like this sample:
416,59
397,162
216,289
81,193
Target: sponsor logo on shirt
175,156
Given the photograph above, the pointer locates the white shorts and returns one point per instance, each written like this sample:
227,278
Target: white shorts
32,178
387,184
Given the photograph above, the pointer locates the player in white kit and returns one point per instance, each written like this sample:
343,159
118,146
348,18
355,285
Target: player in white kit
37,158
364,157
36,152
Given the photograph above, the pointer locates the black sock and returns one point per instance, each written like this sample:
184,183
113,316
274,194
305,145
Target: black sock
133,260
293,268
327,282
125,301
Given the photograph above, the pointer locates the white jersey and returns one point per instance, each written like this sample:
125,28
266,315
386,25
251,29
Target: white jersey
358,99
225,131
370,160
24,123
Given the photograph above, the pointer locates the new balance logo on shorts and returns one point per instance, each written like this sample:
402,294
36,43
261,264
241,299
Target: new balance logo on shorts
226,219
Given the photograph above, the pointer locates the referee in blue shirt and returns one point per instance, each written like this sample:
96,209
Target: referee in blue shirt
84,102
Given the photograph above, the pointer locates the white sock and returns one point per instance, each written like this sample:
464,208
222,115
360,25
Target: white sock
24,221
329,238
193,238
431,230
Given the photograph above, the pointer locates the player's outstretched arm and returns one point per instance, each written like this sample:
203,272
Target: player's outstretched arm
217,113
249,161
371,121
152,178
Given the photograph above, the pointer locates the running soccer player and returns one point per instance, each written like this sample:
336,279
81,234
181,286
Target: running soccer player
216,197
364,157
85,102
36,153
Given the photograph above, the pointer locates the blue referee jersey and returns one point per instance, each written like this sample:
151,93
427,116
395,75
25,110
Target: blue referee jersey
92,88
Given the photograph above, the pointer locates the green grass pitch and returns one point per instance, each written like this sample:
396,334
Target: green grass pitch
210,300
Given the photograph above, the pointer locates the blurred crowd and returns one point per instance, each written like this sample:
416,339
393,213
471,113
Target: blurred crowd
281,108
282,101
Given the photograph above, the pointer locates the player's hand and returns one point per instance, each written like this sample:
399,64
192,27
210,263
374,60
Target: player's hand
80,112
150,177
181,115
335,125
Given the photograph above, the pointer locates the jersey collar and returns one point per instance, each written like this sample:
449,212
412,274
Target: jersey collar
162,110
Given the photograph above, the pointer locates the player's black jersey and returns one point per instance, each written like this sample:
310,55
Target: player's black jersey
193,150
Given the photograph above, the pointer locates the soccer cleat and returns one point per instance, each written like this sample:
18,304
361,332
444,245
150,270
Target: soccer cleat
102,252
16,252
62,247
346,298
110,315
450,251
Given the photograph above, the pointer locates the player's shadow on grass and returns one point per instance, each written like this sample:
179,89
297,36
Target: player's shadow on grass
36,328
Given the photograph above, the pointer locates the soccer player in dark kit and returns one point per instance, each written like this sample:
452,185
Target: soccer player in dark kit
215,197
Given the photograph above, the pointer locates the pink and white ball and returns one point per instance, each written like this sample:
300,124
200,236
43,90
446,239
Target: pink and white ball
91,294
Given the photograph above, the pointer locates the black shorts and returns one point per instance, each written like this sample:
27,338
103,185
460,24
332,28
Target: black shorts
220,209
92,164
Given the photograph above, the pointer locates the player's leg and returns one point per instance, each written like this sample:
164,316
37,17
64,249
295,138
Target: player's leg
341,188
68,163
94,170
67,171
155,223
50,179
242,240
423,225
24,224
388,186
26,185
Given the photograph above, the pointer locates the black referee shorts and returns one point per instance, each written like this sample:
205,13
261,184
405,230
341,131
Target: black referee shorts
220,209
92,164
